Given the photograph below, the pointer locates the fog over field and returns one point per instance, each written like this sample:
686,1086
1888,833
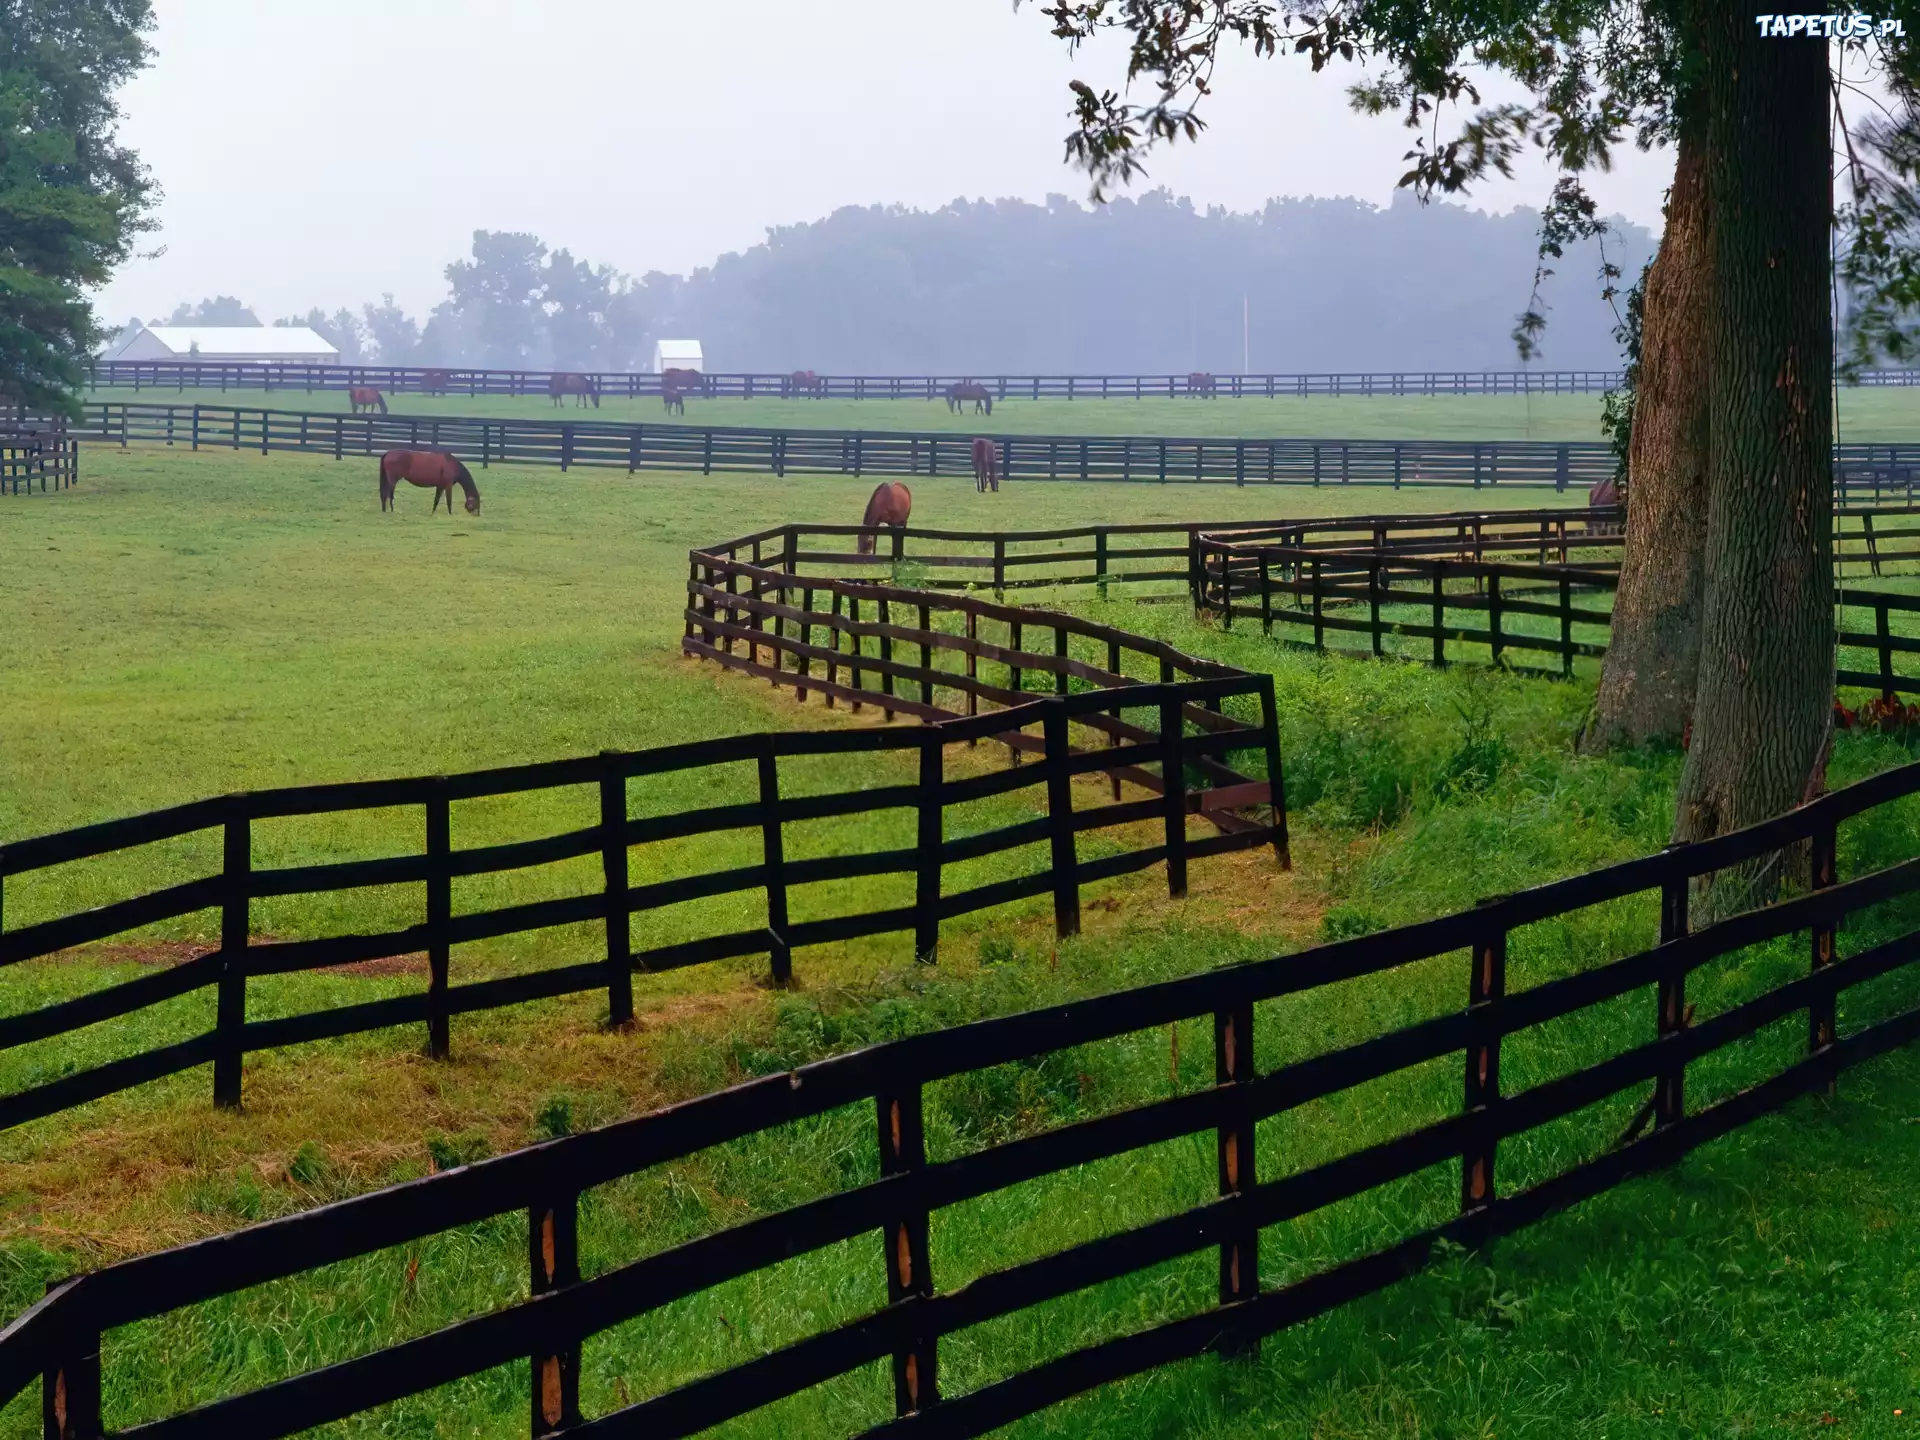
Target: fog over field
919,217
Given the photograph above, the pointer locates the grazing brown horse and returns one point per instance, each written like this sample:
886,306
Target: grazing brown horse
434,469
436,382
365,397
966,390
986,465
1606,493
892,502
675,402
805,382
582,387
687,382
1199,382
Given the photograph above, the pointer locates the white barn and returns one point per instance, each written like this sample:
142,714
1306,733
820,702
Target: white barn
226,344
677,355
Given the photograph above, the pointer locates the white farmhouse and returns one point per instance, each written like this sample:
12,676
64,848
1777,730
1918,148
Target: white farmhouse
226,344
678,355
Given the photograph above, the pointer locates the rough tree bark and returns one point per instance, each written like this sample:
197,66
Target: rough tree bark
1763,708
1648,680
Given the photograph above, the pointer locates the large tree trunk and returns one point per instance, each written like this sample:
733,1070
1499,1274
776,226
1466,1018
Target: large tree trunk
1763,709
1653,653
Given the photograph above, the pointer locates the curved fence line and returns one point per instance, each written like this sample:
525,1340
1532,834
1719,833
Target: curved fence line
64,1339
1864,469
749,385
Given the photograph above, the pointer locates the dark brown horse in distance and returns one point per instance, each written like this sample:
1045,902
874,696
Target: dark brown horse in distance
966,390
1200,383
687,382
673,400
891,504
365,397
436,382
986,465
805,382
434,469
582,387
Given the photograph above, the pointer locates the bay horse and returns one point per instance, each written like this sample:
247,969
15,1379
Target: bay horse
562,383
365,397
675,402
890,504
1200,383
966,390
687,382
435,382
986,466
1606,492
805,382
435,469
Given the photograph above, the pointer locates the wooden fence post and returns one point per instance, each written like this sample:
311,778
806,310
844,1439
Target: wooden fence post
1566,626
70,1388
926,656
613,863
773,856
230,1015
439,918
1173,778
1100,561
1319,616
553,1257
1670,1094
1821,1018
903,1150
931,836
1234,1146
1264,560
1493,615
1066,875
885,612
1486,986
1276,776
1439,619
1374,628
1883,635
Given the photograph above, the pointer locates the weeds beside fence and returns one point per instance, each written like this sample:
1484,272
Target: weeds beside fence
66,1339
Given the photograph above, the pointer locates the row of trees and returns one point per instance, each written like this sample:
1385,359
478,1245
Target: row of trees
513,304
979,286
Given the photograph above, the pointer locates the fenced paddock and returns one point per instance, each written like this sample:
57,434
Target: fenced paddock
1539,1125
1869,471
1493,585
782,901
442,380
37,450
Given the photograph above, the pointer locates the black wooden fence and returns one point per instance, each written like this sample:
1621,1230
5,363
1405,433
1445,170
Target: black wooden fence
1184,770
1866,470
43,451
442,380
66,1340
1413,586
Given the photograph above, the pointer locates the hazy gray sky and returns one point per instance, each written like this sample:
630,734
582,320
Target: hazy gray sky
320,153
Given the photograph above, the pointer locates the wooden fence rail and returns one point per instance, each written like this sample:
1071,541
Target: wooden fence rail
442,380
749,385
67,1339
1872,471
1183,774
45,451
1402,590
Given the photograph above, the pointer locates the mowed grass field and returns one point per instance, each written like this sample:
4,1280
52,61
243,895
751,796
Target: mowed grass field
213,622
1876,414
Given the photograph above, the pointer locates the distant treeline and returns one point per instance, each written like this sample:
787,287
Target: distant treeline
1146,284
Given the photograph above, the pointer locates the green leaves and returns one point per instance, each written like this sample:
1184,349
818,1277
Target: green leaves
72,200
